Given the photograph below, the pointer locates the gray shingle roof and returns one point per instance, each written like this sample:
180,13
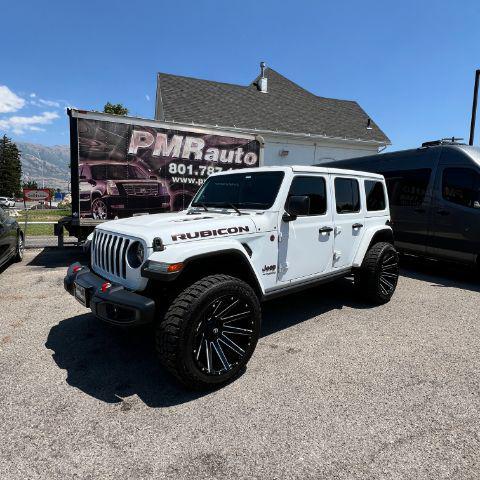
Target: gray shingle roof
286,107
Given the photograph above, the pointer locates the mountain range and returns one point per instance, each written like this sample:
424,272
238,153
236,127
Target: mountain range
50,163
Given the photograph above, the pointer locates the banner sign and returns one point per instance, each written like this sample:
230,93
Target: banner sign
36,195
127,169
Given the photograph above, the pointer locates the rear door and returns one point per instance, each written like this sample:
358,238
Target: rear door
455,233
348,217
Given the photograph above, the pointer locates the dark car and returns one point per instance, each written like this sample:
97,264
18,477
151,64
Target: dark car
11,239
434,194
112,189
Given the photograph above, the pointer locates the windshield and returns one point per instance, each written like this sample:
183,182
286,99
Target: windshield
256,191
116,172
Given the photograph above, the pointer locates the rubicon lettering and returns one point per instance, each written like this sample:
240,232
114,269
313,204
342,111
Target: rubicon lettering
210,233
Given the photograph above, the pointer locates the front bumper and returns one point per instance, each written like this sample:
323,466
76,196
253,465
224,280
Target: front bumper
116,305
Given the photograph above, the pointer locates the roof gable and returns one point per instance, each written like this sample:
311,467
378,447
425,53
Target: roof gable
286,107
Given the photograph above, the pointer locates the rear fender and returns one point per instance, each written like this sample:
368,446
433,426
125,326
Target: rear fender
381,233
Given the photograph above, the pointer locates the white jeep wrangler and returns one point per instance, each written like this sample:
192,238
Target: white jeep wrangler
247,236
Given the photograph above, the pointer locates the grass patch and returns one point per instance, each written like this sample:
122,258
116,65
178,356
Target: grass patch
37,229
43,215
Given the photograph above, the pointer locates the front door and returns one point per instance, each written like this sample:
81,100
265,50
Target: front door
348,217
306,245
455,231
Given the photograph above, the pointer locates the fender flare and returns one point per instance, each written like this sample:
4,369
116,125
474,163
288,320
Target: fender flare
180,254
367,239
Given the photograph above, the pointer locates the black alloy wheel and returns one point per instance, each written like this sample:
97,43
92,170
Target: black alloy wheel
223,334
388,272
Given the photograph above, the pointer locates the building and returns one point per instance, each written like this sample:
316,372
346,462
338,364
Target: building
296,125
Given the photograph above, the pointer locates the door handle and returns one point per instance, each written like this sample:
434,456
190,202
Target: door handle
443,212
325,230
357,225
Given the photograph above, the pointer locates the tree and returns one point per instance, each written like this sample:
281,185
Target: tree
32,184
10,168
117,109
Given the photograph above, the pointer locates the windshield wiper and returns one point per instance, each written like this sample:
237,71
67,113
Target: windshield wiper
225,205
200,205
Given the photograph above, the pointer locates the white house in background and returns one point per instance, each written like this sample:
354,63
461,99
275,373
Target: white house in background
297,126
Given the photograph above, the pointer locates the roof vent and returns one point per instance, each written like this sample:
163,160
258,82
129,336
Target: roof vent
262,82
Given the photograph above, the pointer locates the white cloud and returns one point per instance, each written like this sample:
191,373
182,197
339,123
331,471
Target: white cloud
19,125
147,97
33,95
9,102
49,103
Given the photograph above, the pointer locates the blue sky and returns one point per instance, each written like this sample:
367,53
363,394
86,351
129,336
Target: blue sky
409,64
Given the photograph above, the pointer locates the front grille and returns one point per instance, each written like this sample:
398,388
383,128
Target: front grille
141,189
109,253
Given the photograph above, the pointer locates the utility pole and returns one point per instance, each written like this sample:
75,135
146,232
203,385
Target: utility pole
474,107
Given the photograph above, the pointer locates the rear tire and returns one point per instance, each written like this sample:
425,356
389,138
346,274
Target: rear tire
377,278
210,332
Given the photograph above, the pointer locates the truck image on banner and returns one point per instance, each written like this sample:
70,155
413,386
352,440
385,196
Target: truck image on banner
130,166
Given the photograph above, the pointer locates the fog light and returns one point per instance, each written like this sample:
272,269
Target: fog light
105,286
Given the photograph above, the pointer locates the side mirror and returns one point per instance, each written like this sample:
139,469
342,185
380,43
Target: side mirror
92,182
296,206
286,217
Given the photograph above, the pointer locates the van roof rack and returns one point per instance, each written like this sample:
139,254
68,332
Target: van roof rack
443,141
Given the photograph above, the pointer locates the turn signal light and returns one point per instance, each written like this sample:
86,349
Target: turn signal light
76,268
105,286
174,267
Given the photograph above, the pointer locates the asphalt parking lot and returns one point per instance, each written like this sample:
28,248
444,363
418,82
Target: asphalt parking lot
335,389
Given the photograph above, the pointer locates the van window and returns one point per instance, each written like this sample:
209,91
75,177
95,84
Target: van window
347,195
313,187
461,186
407,188
375,195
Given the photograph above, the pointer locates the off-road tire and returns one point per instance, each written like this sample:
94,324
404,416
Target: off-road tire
376,280
177,334
20,248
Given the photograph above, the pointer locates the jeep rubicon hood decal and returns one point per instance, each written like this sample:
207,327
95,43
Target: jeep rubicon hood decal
180,227
210,233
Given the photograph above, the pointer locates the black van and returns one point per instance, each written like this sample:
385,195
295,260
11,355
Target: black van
434,194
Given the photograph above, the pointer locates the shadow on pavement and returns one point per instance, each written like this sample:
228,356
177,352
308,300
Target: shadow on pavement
441,274
109,363
54,257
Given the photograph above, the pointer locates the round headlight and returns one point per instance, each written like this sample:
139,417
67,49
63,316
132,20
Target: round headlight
136,254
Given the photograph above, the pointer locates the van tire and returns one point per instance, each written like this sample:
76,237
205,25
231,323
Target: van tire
192,319
376,280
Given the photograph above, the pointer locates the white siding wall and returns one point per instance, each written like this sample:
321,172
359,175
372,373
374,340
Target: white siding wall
311,153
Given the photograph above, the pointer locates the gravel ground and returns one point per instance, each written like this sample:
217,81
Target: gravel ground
335,389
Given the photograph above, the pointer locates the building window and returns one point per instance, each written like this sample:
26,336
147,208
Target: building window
315,189
461,186
347,195
375,195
